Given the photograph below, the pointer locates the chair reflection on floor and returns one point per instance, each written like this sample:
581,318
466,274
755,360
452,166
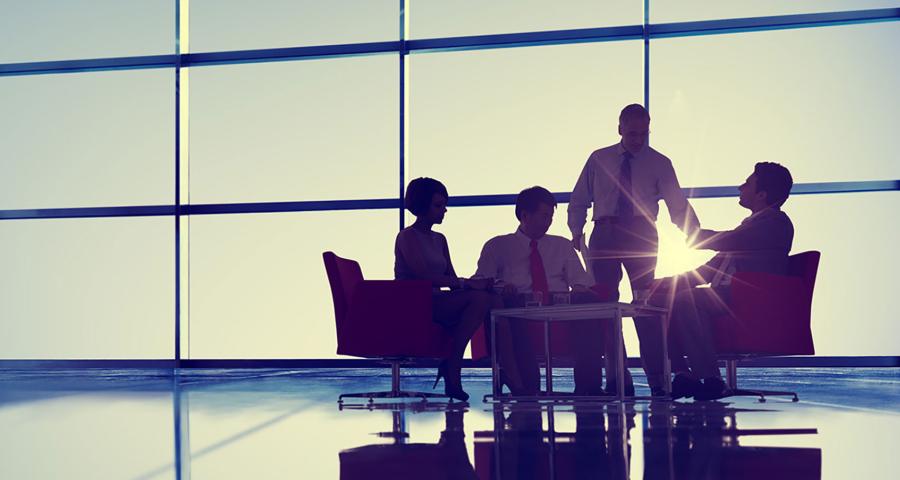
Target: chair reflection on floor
447,459
679,442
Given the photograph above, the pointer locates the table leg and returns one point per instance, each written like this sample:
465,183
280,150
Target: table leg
620,356
495,368
667,365
549,370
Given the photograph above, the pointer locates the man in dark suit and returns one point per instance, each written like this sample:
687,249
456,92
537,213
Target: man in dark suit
761,243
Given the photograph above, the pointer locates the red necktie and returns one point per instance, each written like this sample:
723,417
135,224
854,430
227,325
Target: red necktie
538,275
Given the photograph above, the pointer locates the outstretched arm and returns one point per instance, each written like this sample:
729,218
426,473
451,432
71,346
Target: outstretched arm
680,210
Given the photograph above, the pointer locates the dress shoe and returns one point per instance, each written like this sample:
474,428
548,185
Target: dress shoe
612,390
713,388
685,386
658,392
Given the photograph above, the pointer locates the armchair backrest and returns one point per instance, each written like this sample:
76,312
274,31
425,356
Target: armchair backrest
805,265
772,313
343,276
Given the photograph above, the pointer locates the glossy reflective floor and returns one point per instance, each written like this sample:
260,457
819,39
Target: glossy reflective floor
224,424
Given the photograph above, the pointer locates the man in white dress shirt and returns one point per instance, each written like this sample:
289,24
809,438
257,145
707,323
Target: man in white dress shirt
529,261
624,183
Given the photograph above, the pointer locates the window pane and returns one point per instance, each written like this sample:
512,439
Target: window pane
437,18
41,30
822,101
308,130
239,25
258,287
88,139
852,312
693,10
498,121
87,288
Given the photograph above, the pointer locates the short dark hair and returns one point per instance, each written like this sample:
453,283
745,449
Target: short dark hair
635,110
419,193
531,198
775,180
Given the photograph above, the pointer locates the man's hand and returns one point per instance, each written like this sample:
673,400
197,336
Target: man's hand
576,241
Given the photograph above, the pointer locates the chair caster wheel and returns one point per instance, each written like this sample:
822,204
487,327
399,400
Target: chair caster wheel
762,400
795,400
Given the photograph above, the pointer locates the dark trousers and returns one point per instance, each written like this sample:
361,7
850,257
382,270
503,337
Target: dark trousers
690,332
632,244
585,335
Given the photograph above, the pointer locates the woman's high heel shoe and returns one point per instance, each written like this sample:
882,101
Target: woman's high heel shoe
441,373
452,381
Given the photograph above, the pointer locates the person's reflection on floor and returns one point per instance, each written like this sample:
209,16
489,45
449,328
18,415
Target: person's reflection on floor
598,448
453,442
523,453
592,460
702,441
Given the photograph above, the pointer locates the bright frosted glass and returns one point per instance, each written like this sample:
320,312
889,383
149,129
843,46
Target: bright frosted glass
88,139
258,287
439,18
239,25
308,130
498,121
41,30
87,288
822,101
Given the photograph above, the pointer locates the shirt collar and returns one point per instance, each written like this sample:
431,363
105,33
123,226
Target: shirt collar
620,150
525,238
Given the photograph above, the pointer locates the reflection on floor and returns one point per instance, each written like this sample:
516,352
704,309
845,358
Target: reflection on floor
257,424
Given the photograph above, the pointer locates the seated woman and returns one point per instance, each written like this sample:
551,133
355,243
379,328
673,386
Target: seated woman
422,254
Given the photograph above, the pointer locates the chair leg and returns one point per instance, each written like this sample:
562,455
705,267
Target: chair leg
731,381
739,392
394,392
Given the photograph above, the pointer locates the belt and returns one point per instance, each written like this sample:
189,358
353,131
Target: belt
613,220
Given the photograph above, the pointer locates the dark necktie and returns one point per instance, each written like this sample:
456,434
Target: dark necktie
538,275
625,205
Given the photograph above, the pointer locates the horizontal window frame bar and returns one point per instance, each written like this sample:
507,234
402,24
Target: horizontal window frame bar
394,203
473,42
886,361
769,23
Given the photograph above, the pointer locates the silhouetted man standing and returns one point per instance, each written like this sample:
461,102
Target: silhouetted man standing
624,183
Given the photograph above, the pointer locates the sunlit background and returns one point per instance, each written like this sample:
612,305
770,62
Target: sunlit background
822,101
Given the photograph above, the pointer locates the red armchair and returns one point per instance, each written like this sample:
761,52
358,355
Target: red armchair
383,319
772,316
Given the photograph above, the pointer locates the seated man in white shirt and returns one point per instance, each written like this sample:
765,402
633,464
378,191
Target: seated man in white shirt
530,261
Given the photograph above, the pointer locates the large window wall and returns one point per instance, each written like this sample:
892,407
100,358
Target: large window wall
171,178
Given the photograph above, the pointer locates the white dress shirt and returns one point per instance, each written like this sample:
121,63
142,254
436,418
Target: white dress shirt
652,179
507,258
